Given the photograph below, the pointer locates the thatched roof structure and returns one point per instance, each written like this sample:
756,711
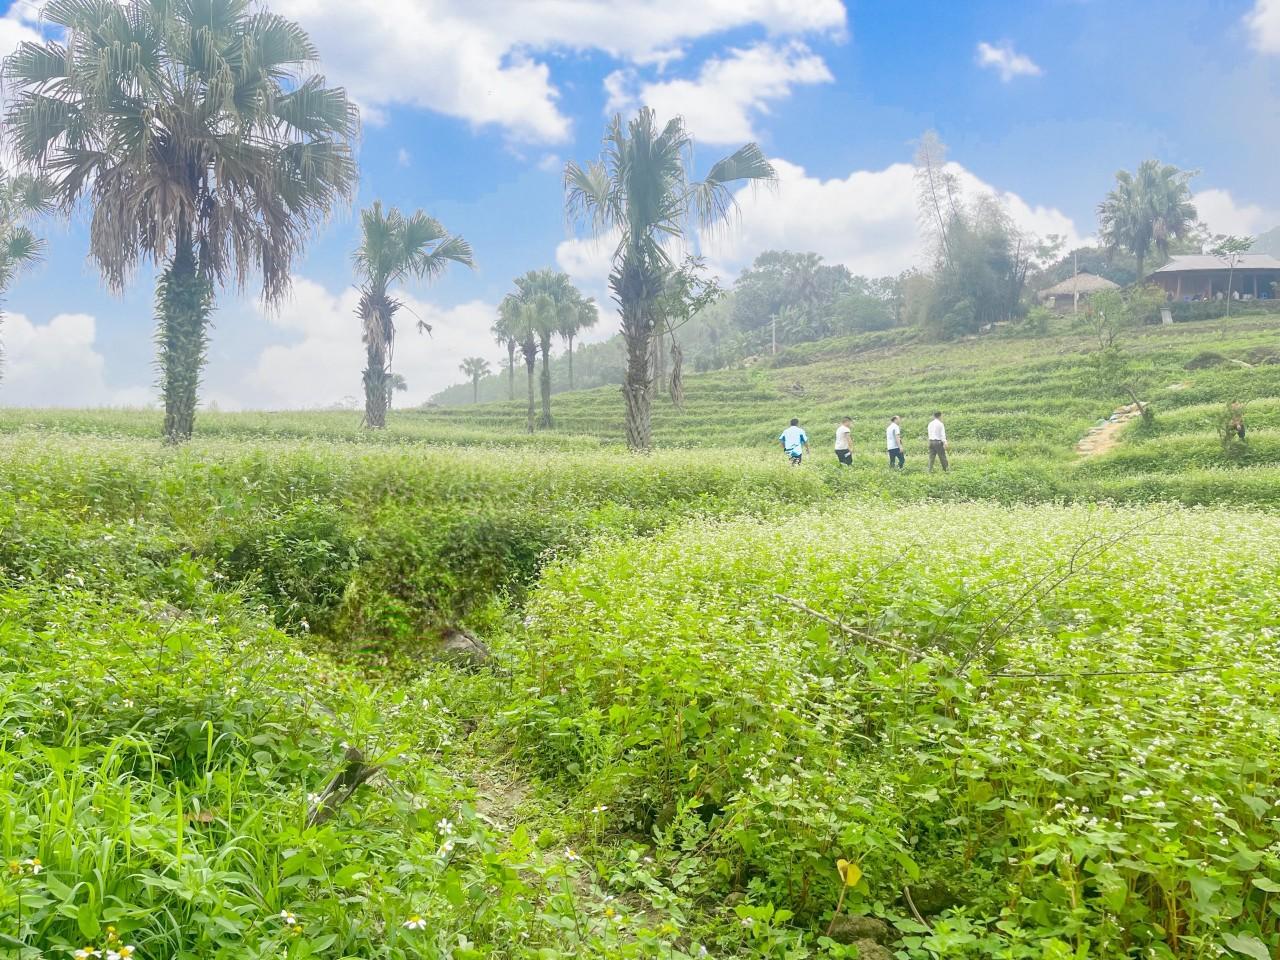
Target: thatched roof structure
1082,283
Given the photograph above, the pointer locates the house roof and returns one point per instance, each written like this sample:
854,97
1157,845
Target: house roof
1080,283
1204,261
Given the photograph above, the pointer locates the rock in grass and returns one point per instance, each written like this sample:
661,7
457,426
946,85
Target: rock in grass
870,950
933,898
846,929
462,649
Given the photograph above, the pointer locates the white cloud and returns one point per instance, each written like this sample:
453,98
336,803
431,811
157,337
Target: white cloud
1006,61
58,365
403,158
19,24
477,61
1220,211
721,103
866,221
322,364
1263,22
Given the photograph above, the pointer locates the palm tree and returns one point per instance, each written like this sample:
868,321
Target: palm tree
1150,206
540,308
517,316
393,248
582,316
21,197
473,368
204,143
506,338
640,187
396,383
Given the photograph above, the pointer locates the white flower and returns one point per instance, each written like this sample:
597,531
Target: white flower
569,854
599,809
19,733
313,798
415,923
289,919
446,848
33,864
84,953
444,825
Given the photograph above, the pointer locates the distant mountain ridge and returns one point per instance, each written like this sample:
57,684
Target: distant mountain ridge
1268,242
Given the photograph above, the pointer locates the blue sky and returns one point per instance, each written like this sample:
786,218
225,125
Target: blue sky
472,106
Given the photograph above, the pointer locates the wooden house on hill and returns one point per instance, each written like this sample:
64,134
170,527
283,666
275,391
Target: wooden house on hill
1203,276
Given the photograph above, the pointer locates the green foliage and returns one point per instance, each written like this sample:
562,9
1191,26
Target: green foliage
1151,207
671,684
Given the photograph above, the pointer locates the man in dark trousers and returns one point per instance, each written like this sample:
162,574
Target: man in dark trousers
938,442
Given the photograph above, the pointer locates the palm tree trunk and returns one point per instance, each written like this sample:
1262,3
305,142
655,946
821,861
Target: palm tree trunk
475,389
511,370
184,301
530,358
1141,259
375,387
544,421
636,387
570,361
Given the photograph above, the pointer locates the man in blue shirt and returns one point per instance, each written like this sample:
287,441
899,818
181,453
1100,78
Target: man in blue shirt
794,442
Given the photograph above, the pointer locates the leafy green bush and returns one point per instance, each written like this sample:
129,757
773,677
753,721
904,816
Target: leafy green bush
1076,757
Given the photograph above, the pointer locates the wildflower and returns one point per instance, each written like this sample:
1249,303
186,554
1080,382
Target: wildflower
599,809
446,848
569,854
19,733
313,798
415,923
84,953
33,864
289,919
445,826
747,922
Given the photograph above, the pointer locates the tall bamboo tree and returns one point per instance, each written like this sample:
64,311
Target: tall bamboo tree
394,248
640,187
1149,207
204,143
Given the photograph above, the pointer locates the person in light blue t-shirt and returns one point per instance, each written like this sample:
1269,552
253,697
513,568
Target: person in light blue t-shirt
794,442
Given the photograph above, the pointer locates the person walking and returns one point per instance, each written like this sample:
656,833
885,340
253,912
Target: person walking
893,441
938,442
844,451
795,442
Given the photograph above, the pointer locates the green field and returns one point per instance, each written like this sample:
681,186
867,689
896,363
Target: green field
1032,701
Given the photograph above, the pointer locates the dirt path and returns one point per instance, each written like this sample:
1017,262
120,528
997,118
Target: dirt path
1106,435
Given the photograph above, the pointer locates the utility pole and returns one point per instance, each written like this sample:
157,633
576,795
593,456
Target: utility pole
1075,284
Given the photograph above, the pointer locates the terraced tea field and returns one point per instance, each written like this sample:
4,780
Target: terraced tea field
711,705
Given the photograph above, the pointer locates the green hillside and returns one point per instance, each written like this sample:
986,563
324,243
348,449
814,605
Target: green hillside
1032,700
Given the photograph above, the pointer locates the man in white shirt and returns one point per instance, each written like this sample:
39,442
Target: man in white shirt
795,442
844,452
938,442
893,441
